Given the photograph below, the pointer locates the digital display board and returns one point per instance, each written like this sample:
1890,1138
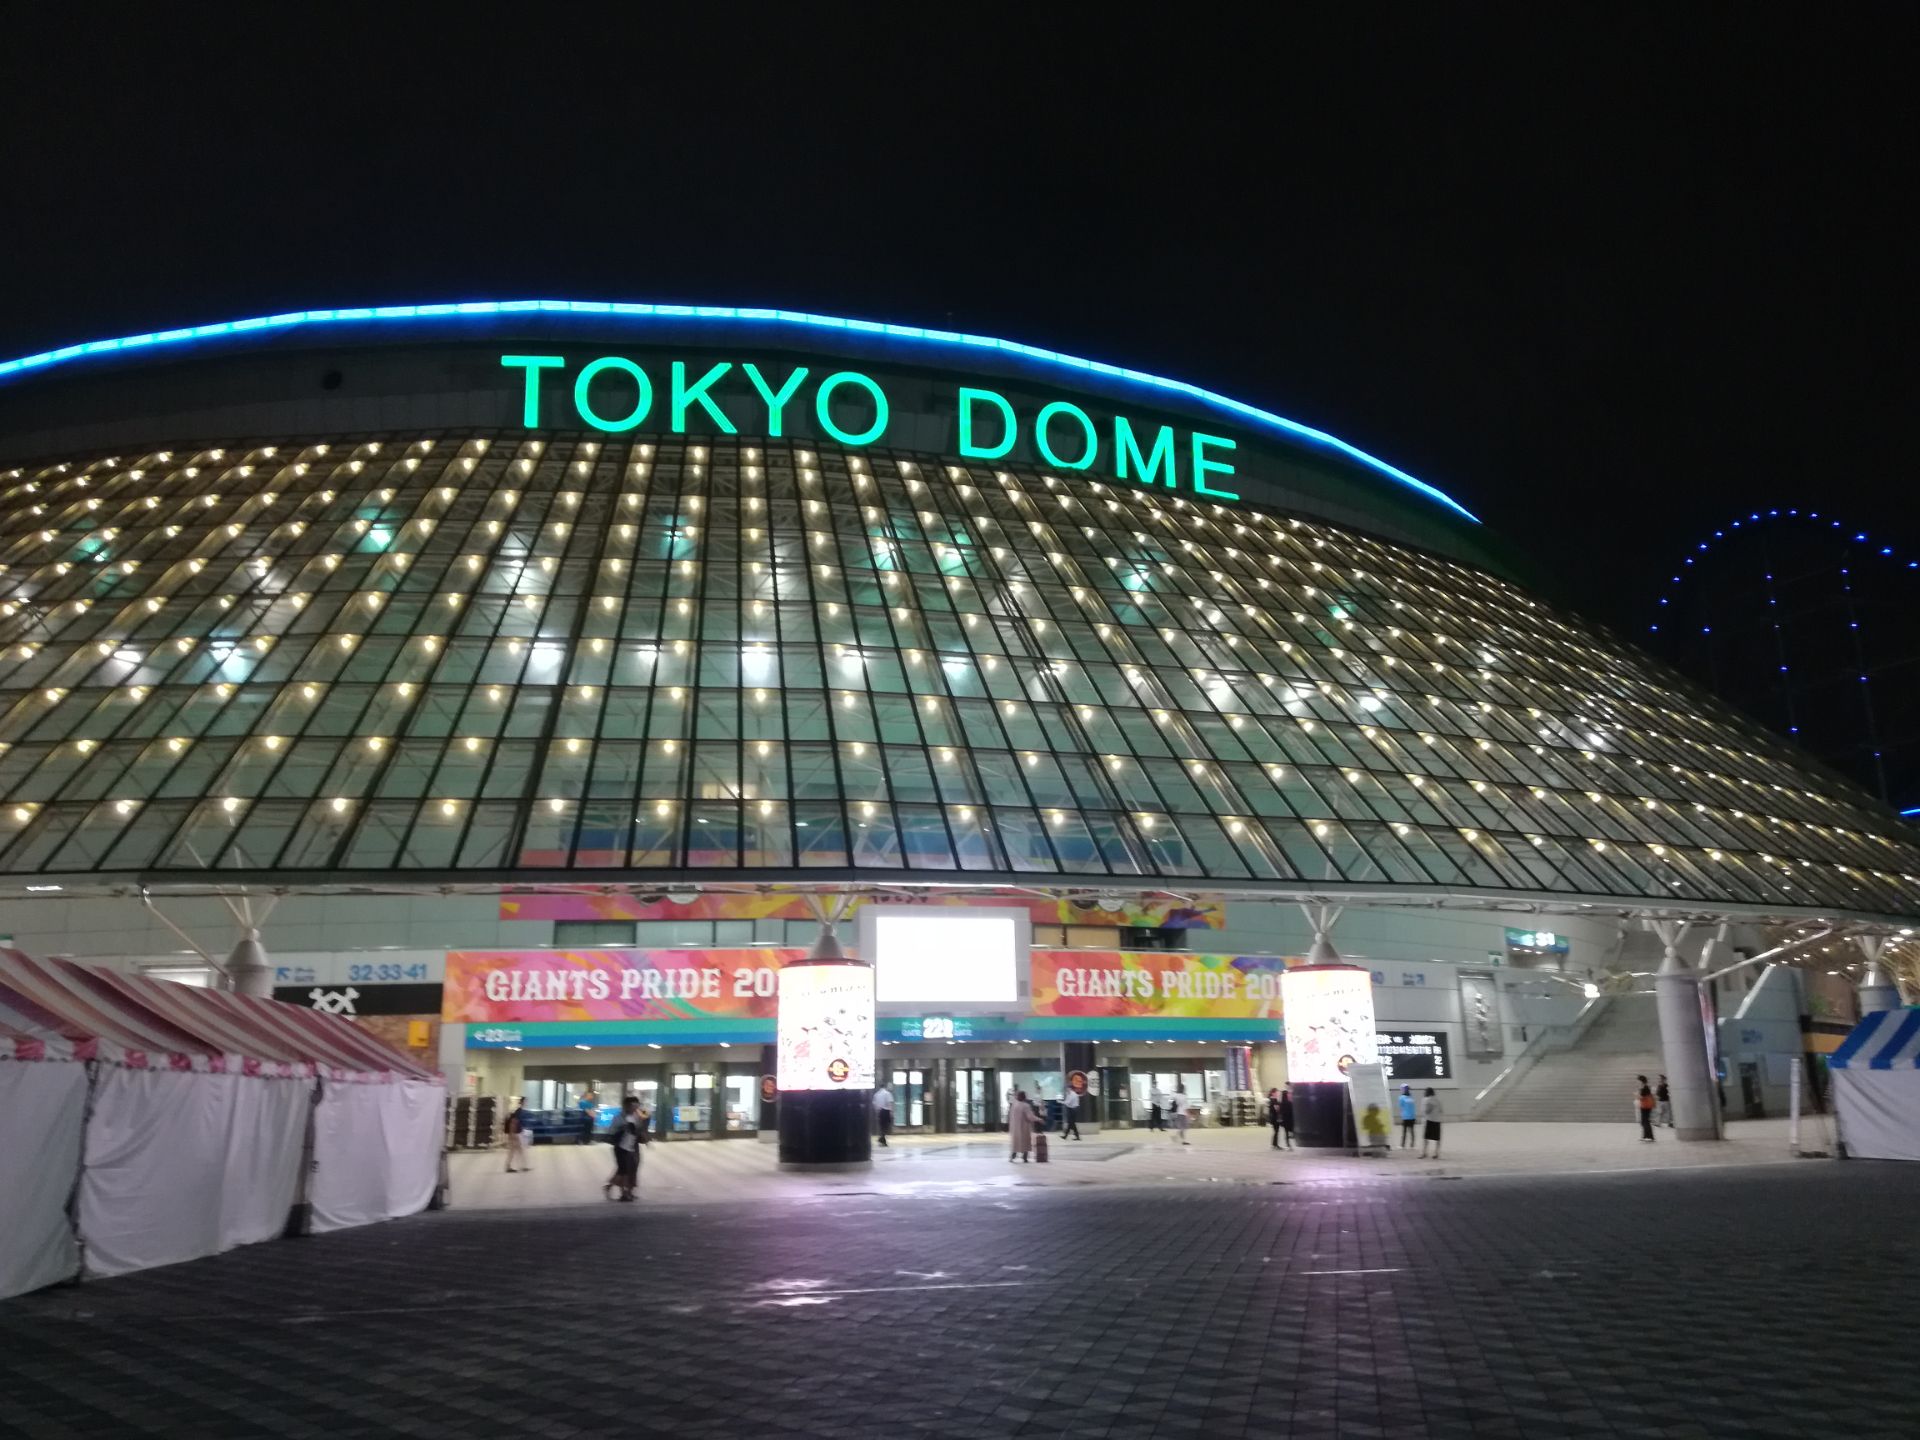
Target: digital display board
1329,1021
826,1028
1414,1054
955,959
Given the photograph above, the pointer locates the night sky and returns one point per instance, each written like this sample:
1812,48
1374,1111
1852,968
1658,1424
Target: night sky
1608,281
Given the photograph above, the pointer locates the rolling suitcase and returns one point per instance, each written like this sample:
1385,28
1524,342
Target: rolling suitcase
1040,1148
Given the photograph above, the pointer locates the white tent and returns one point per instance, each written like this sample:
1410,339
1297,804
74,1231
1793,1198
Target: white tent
161,1122
1876,1086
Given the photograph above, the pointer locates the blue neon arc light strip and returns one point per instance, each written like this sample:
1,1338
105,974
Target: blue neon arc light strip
47,359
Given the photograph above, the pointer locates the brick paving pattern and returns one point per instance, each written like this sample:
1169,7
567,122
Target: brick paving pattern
1769,1301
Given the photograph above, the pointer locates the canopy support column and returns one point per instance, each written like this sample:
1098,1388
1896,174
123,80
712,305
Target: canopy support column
1877,990
1683,1038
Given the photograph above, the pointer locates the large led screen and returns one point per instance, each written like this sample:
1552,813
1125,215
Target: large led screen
1329,1022
946,958
826,1028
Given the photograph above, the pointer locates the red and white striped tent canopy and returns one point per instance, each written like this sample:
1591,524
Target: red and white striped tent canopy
57,1009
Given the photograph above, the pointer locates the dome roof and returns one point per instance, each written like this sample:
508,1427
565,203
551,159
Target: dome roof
496,655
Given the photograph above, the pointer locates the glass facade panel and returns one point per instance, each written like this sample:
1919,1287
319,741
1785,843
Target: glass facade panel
484,653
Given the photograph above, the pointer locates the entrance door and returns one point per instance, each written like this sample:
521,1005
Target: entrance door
692,1100
741,1102
910,1099
973,1107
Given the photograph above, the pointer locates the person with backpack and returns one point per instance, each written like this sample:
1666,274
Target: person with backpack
516,1132
1644,1103
629,1134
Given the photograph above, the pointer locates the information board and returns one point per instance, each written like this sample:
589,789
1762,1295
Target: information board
1414,1055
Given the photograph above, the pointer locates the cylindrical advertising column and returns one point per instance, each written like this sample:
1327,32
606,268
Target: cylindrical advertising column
825,1073
1328,1015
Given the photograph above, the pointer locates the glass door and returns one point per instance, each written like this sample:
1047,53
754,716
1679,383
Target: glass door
973,1107
692,1103
741,1103
647,1088
910,1099
1155,1087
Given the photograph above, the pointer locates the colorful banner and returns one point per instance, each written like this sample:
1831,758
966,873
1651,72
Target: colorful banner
1206,912
1155,983
491,986
1033,1029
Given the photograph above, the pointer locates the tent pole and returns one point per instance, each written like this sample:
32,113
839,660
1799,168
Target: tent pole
80,1175
300,1215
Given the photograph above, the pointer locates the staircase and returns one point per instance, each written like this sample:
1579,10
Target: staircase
1594,1081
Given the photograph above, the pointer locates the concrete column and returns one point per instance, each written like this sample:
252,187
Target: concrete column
1877,990
248,969
1683,1040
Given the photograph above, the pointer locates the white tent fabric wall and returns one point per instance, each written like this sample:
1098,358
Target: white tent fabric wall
182,1164
1879,1113
376,1152
1876,1086
42,1105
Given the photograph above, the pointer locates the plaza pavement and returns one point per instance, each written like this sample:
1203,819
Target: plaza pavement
702,1171
1699,1299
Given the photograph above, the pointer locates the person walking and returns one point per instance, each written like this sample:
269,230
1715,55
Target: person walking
1020,1124
1273,1114
588,1102
1180,1113
1286,1116
1645,1102
1070,1114
1663,1104
516,1131
629,1134
1430,1111
883,1114
1409,1112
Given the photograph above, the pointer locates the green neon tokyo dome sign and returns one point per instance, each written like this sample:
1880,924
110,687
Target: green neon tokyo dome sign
1061,422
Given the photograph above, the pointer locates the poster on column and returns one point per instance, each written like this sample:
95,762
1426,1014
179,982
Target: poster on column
826,1028
487,986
